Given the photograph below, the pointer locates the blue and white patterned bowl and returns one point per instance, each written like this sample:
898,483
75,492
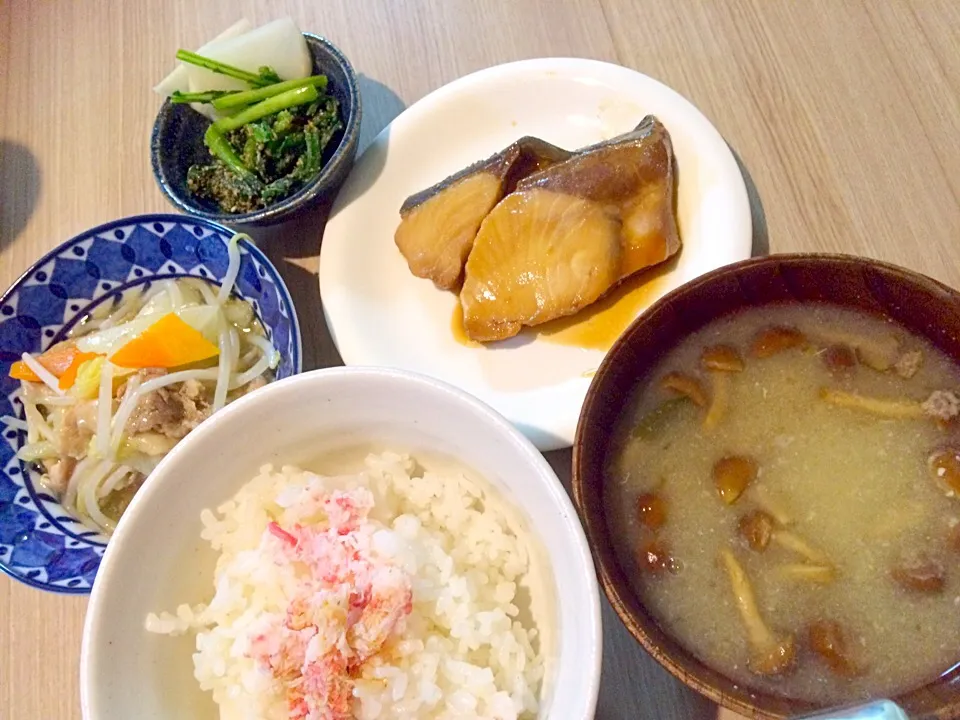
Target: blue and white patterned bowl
40,543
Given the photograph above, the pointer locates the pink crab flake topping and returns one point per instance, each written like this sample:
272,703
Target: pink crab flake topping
282,535
347,605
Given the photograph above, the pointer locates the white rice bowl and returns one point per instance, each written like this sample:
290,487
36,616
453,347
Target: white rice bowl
468,648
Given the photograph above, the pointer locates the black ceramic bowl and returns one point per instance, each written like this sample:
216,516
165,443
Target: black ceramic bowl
917,303
177,143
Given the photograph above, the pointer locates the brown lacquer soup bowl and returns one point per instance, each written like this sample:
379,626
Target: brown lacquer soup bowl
923,307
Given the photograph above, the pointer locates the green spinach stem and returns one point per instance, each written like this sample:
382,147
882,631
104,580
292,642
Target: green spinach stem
291,98
247,97
216,66
220,148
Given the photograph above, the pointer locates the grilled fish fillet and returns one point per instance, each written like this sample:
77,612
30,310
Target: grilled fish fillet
438,225
538,256
570,233
633,177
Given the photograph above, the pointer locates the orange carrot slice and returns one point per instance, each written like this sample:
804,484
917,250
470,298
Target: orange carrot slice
20,371
168,343
69,376
56,359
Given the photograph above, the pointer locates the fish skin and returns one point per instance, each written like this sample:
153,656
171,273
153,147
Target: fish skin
435,236
634,176
516,161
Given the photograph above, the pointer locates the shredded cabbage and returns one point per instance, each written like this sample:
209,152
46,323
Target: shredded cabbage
38,426
149,443
87,501
114,481
108,341
202,287
225,366
239,312
127,307
174,295
104,410
87,384
40,450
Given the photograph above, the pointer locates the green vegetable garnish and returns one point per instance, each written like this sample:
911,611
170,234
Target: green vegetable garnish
248,97
279,188
309,163
292,143
262,132
272,143
268,73
198,97
283,123
223,151
656,420
265,76
251,152
283,101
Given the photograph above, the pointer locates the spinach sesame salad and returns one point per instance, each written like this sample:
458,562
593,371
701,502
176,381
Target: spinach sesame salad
265,141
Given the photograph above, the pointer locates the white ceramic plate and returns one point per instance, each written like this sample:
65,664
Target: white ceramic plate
380,314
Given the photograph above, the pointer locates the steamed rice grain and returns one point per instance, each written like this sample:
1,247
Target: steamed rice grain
462,648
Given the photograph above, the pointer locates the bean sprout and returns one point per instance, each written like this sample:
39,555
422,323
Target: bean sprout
41,372
14,423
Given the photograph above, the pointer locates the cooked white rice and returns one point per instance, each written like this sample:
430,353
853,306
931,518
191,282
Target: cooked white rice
464,651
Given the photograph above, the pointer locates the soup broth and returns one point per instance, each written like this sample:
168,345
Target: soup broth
781,488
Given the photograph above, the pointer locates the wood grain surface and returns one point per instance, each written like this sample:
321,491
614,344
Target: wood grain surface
844,114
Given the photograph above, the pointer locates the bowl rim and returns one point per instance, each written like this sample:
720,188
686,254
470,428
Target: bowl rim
616,595
302,197
592,625
147,218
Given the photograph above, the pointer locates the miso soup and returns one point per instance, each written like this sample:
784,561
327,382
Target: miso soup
784,492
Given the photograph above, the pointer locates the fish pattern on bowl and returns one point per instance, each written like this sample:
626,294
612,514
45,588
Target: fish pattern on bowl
40,543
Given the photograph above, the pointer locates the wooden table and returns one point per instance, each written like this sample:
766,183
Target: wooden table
845,115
